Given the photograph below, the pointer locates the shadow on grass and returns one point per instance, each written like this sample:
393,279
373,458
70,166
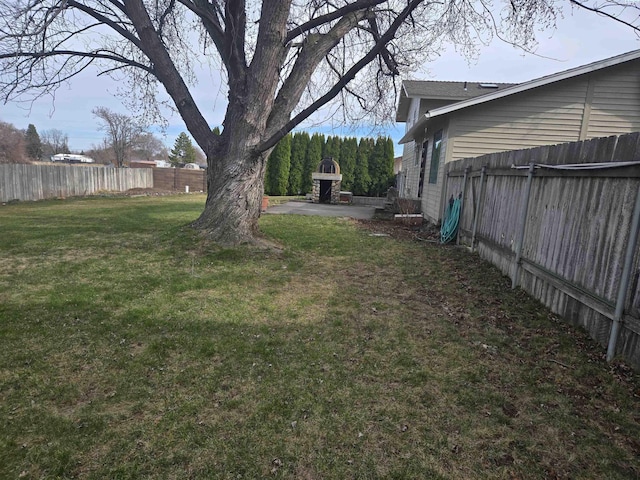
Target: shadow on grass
343,356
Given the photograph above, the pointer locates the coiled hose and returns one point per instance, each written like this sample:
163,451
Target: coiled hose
449,227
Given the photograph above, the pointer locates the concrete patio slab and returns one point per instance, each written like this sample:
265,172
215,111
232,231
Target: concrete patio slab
362,212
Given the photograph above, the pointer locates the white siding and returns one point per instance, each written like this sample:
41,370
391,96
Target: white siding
432,192
601,103
615,108
410,167
542,116
411,172
414,113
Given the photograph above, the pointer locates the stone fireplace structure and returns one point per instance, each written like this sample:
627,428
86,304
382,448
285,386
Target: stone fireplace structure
326,182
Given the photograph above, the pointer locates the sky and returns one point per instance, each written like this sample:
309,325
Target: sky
581,37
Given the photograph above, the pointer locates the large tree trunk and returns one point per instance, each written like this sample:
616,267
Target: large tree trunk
237,160
235,182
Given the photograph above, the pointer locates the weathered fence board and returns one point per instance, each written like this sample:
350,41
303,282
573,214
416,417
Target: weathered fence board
576,232
38,182
178,179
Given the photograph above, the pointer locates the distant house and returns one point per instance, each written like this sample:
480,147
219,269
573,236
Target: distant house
150,164
447,121
397,165
71,158
142,164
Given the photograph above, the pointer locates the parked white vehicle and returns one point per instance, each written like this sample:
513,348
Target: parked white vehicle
192,166
71,158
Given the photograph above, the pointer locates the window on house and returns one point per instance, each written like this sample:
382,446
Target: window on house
435,157
417,154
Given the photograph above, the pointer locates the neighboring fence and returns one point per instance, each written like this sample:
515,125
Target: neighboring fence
566,236
37,182
179,178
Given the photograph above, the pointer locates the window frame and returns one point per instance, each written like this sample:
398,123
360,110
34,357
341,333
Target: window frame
436,149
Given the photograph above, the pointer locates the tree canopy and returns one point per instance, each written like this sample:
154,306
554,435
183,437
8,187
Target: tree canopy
282,60
299,145
33,143
278,167
149,147
12,144
54,141
122,131
286,164
183,150
362,178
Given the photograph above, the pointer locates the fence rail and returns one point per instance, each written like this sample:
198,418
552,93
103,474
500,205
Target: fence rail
38,182
178,179
563,235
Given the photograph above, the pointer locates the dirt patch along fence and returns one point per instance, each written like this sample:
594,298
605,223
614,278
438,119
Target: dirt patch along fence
565,234
38,182
178,179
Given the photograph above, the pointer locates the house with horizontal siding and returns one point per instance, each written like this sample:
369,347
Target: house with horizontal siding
447,121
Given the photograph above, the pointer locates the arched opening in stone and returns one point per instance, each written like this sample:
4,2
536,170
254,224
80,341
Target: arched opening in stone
326,182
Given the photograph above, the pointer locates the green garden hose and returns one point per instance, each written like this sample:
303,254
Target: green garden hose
449,226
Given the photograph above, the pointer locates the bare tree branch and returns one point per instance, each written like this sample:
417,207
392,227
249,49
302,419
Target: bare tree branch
349,75
359,98
79,54
166,72
385,54
329,17
122,131
234,46
164,15
600,11
311,54
270,51
211,23
101,18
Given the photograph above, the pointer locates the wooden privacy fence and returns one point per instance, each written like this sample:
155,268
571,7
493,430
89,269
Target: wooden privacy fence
179,178
562,221
38,182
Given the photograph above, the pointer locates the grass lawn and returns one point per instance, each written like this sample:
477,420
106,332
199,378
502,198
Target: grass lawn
129,348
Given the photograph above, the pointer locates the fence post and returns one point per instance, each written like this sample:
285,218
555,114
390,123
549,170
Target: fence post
624,281
462,198
443,207
522,227
483,172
